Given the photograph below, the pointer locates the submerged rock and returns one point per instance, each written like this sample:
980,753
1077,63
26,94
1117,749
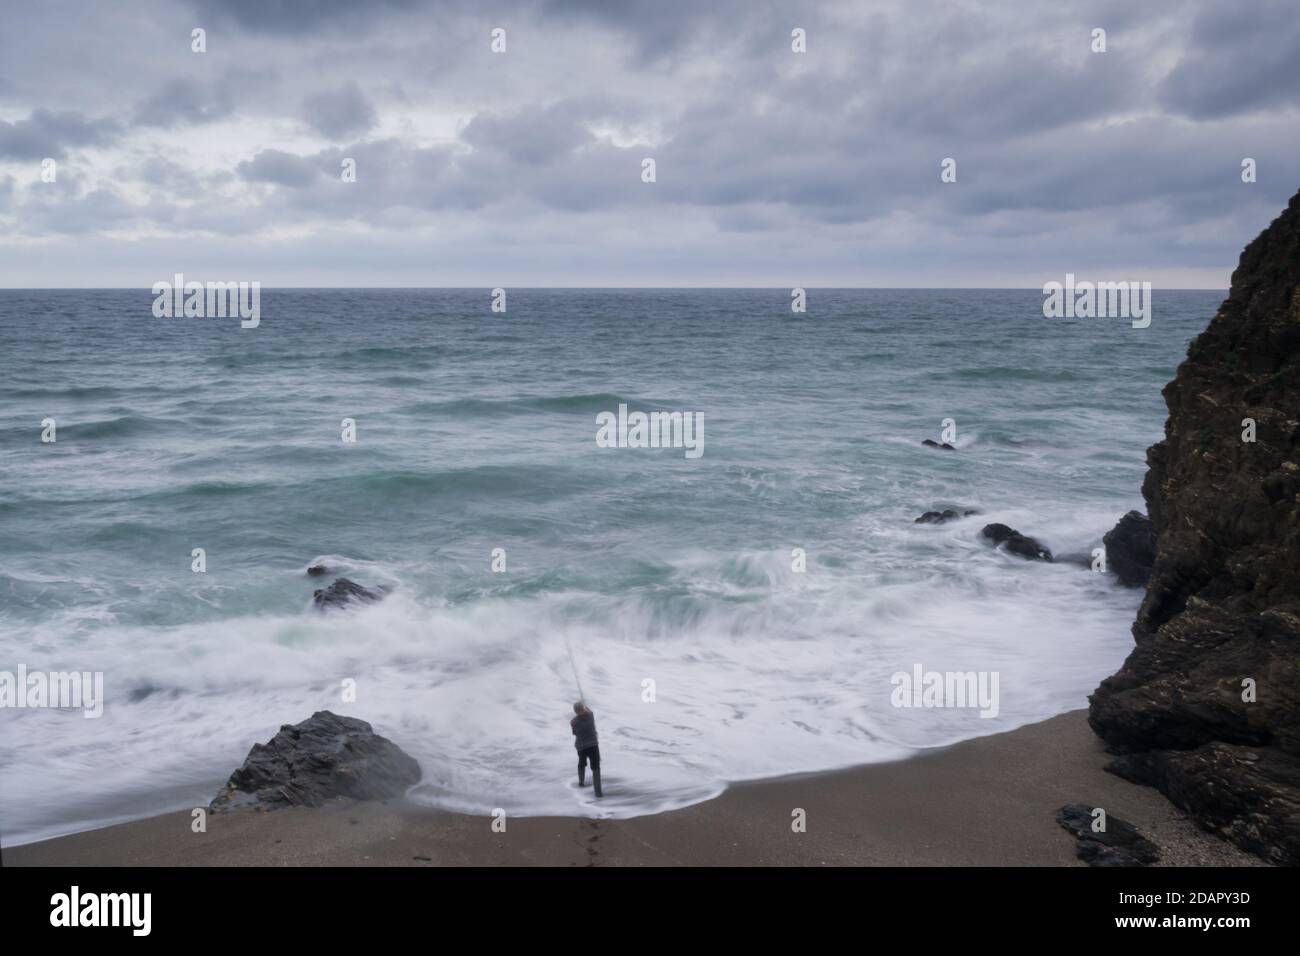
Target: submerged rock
343,591
1131,549
930,442
317,571
1013,541
1207,705
939,517
324,757
1120,844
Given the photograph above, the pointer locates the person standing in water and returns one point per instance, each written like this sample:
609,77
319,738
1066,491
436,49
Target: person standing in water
584,740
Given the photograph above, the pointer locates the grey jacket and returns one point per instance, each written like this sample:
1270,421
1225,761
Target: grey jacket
584,730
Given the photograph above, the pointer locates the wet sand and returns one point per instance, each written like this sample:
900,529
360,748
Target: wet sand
991,801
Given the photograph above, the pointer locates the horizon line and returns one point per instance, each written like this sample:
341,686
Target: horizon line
596,288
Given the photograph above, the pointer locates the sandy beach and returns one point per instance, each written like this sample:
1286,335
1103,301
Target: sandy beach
990,801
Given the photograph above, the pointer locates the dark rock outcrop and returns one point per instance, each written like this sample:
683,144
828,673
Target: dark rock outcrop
939,517
1207,705
931,443
1120,844
324,757
343,592
1131,549
1250,795
317,571
1015,542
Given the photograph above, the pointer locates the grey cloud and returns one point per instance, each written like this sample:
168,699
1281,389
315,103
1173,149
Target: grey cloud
661,31
394,181
280,168
62,211
535,135
48,133
163,174
1240,60
290,17
657,27
340,113
829,158
185,100
1033,90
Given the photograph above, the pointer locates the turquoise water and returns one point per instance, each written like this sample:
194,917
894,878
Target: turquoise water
476,431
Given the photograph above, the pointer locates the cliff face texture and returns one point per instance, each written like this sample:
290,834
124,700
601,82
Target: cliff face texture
1207,706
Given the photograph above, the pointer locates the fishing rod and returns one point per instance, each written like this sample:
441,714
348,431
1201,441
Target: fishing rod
574,664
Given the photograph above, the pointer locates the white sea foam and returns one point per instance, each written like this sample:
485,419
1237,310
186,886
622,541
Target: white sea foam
757,672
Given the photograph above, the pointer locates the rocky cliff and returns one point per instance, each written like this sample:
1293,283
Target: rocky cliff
1207,706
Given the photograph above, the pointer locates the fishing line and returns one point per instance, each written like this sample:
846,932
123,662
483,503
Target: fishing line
574,664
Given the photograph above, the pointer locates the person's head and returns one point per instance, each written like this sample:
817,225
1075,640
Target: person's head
579,707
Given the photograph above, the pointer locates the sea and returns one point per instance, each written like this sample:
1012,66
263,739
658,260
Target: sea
736,614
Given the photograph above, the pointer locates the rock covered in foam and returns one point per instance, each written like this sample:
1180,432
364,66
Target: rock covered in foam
1009,539
344,592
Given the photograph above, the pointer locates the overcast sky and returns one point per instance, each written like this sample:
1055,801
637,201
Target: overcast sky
524,168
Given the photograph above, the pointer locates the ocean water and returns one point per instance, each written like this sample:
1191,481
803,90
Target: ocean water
476,431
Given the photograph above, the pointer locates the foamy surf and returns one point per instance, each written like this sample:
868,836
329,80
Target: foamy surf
756,672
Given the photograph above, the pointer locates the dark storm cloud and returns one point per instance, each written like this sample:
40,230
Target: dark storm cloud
339,113
1241,59
290,17
658,28
49,133
661,32
1031,90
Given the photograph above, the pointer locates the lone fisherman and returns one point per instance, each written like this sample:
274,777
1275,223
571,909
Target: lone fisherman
584,740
